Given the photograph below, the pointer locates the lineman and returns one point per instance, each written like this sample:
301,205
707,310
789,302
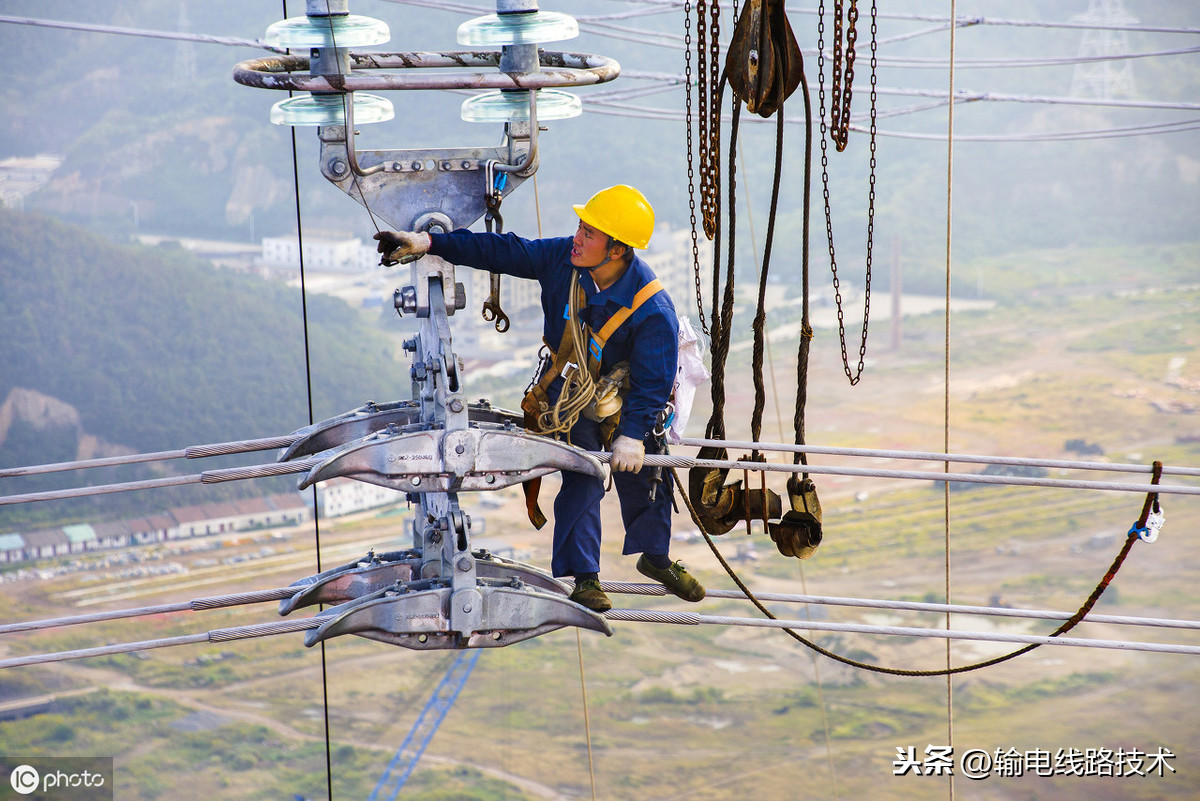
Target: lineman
614,287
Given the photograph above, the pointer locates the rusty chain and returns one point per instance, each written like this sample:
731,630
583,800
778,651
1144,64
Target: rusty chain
691,165
855,375
708,61
842,86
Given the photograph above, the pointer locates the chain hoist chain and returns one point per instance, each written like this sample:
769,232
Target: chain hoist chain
714,114
843,68
853,376
691,164
702,98
708,30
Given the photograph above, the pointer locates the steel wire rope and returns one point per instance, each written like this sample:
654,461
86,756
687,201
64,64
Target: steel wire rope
214,636
194,605
658,590
272,443
614,109
278,627
285,468
754,255
309,395
597,24
192,452
946,373
207,603
802,358
1034,642
972,20
1030,640
587,20
144,33
587,725
1063,464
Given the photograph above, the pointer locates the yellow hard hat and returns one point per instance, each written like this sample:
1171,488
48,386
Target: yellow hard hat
622,212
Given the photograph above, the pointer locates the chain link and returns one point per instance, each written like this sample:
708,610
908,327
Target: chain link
702,97
843,70
714,108
691,165
708,32
853,376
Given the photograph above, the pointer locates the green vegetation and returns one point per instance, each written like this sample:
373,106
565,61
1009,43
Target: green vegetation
158,350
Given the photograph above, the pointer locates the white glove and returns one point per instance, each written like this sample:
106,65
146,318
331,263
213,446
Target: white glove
628,454
401,246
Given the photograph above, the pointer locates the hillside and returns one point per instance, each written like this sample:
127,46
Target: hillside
151,349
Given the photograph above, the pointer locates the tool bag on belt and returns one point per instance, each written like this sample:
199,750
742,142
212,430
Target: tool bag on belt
583,390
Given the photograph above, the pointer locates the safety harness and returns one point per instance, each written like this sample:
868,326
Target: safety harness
584,391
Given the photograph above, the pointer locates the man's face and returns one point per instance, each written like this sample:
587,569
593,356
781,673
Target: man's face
590,247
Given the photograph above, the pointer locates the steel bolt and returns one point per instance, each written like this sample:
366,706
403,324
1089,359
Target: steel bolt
456,406
460,450
467,607
338,167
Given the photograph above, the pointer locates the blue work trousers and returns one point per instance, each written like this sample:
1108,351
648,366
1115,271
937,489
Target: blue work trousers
577,512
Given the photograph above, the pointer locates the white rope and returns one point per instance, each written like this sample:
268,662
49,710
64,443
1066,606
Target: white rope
656,460
141,32
207,477
192,452
1060,464
627,615
696,619
214,636
194,605
630,588
285,468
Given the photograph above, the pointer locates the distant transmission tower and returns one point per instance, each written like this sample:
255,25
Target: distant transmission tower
1108,78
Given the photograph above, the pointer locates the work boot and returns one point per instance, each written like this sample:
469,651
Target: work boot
675,578
587,593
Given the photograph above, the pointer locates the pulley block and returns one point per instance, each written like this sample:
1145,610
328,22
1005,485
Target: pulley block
439,460
374,573
799,533
430,614
372,417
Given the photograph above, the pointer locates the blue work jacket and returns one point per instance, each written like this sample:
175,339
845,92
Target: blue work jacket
648,340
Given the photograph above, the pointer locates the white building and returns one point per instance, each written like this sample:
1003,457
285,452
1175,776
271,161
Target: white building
21,176
343,496
670,257
517,294
347,255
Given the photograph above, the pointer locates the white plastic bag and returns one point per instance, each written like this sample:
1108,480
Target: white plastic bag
689,375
